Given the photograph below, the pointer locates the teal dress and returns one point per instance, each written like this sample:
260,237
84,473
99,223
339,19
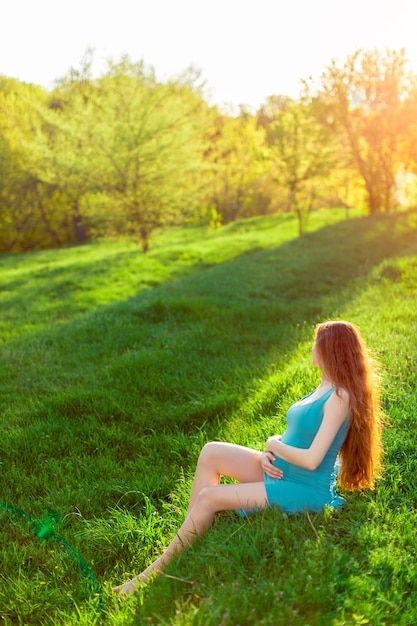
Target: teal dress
301,489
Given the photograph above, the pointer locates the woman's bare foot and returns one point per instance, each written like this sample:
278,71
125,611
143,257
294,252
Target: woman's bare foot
127,588
144,578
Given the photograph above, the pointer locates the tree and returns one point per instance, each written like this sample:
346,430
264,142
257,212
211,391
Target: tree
302,150
147,145
409,144
27,206
235,162
368,98
120,154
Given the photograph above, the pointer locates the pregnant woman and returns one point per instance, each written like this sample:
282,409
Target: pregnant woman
337,422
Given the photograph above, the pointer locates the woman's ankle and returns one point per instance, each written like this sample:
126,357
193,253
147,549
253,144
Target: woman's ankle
127,588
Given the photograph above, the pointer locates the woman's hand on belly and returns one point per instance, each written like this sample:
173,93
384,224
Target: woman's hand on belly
267,460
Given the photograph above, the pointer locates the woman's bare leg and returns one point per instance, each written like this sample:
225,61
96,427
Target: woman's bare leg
209,501
225,459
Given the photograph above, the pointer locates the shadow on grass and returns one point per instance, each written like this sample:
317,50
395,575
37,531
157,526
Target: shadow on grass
185,354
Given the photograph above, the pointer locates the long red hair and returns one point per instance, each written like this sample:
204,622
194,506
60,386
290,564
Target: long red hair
344,359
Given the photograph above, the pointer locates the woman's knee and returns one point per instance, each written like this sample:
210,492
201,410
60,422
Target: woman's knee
207,499
209,451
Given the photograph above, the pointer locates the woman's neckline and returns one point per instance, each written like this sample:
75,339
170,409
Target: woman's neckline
307,399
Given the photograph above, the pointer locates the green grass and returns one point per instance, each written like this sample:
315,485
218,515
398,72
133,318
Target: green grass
116,367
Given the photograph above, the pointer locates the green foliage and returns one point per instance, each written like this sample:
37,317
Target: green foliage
117,367
25,207
122,154
117,155
371,99
302,151
147,144
236,164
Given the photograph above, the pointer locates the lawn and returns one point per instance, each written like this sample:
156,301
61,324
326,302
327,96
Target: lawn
116,367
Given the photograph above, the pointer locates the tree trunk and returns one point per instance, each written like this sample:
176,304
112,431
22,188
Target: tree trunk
300,221
80,233
144,237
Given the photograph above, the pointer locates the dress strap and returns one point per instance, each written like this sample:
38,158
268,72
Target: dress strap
326,395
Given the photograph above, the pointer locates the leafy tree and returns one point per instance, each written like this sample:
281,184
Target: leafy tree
66,157
368,98
120,154
408,173
147,148
235,160
302,150
27,206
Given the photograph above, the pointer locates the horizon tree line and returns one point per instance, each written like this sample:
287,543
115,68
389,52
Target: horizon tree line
124,154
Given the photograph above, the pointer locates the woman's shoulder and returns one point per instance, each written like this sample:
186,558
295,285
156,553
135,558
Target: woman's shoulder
340,400
342,394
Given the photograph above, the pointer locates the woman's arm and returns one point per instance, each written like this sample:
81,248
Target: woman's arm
336,410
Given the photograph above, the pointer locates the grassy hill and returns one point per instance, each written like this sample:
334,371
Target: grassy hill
116,367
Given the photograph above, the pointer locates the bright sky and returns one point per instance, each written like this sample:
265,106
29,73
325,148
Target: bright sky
246,50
